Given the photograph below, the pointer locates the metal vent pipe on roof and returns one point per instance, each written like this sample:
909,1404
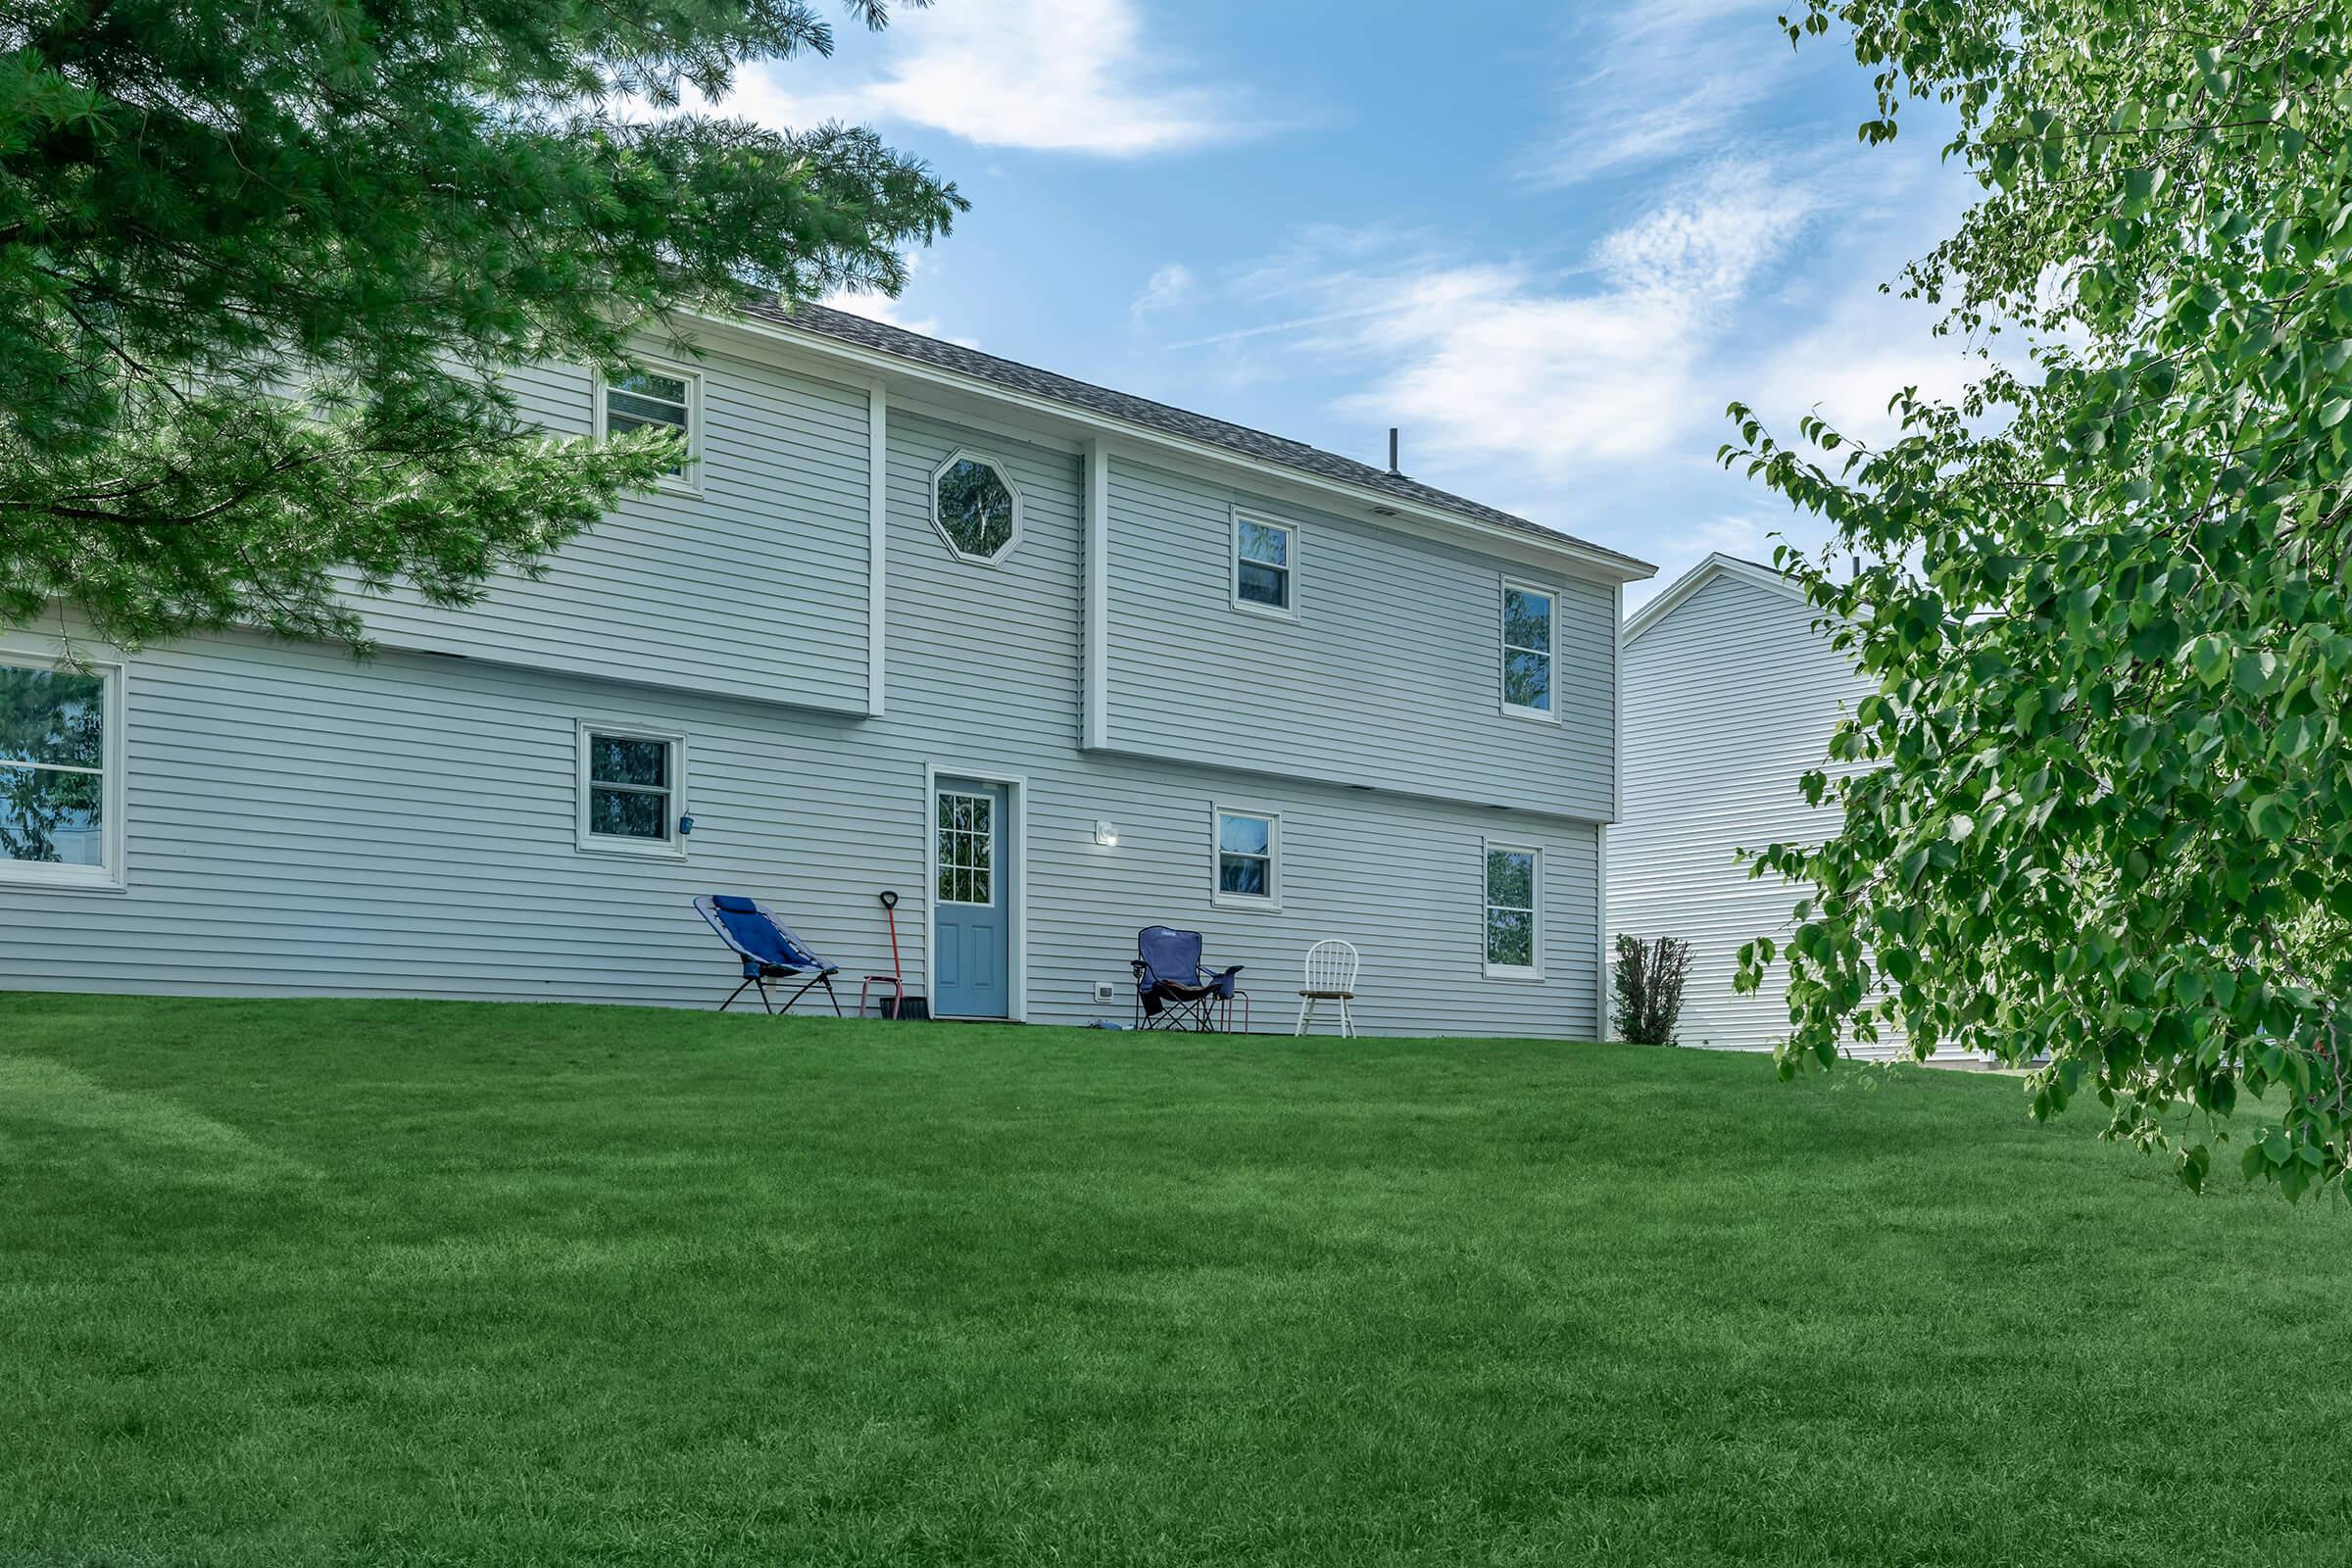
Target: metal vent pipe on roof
1392,449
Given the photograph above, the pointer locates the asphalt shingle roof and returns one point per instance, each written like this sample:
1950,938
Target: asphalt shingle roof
882,338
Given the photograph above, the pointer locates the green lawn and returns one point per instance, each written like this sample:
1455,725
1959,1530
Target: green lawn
290,1283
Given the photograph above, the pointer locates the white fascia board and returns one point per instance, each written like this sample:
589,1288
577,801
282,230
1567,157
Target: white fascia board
1697,577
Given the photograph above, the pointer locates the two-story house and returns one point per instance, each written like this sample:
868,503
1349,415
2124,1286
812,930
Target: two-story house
1049,662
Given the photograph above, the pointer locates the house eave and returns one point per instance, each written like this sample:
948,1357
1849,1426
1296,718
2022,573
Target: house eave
1718,565
1589,561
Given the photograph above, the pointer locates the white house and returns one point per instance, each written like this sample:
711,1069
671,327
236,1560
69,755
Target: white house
1051,662
1731,695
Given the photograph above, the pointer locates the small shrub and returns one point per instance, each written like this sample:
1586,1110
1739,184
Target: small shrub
1650,988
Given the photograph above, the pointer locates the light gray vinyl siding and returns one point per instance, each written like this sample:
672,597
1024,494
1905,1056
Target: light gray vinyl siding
756,584
1390,676
303,824
299,822
1730,700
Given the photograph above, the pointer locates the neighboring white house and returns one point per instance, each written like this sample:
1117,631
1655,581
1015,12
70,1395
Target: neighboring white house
1051,662
1731,695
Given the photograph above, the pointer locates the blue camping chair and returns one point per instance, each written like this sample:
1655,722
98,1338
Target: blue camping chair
768,951
1172,990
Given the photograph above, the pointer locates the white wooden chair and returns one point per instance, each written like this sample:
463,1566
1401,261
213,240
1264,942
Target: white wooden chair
1330,977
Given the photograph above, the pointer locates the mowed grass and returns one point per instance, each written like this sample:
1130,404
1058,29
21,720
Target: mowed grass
308,1282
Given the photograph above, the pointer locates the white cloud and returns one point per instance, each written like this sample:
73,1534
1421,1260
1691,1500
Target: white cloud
876,306
1166,289
1591,397
1746,535
1858,347
1054,76
1666,79
1480,361
1848,370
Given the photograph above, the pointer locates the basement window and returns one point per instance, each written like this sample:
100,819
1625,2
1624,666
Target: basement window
631,789
60,772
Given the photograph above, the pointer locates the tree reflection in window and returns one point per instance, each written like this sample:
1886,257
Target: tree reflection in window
975,507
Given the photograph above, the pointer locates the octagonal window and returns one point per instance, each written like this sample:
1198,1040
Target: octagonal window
976,508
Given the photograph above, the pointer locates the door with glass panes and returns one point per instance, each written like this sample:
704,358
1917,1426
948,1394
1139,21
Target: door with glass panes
972,900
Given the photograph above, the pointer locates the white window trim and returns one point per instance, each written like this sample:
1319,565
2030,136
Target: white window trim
1509,971
690,482
1003,473
672,845
1233,550
45,653
1502,650
1270,901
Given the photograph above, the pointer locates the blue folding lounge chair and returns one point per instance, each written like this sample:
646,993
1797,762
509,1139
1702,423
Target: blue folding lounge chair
768,950
1172,990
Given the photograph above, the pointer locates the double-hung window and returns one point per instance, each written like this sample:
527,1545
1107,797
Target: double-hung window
1514,912
1265,566
1528,622
660,398
60,772
632,789
1249,859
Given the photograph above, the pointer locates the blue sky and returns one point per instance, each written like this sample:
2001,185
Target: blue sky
1548,241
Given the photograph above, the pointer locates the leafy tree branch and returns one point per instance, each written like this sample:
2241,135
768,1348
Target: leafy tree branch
262,266
2097,818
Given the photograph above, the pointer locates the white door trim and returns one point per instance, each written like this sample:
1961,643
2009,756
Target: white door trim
1016,790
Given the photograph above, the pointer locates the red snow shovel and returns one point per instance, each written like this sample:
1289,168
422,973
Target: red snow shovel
897,1004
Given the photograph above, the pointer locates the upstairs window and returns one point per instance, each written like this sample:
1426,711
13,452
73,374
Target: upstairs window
631,790
1264,558
1527,635
661,400
976,508
1514,922
60,773
1249,858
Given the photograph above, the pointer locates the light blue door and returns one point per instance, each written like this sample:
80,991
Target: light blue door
971,896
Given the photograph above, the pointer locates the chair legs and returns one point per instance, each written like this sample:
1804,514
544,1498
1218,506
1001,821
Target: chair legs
1194,1014
824,980
1307,1008
768,998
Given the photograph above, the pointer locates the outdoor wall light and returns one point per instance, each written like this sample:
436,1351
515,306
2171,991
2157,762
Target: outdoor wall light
1106,834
